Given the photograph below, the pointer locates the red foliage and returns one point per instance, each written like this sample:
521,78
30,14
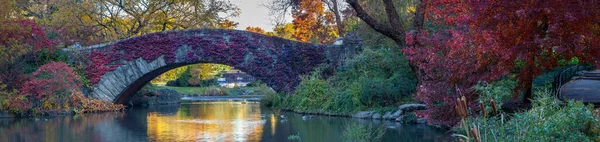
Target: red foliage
97,66
488,39
26,31
52,83
19,37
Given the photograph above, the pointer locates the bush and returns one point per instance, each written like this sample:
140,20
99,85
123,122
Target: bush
500,91
49,88
548,120
213,91
53,89
313,94
187,80
376,78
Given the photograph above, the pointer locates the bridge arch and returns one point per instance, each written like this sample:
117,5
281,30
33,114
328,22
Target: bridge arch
120,68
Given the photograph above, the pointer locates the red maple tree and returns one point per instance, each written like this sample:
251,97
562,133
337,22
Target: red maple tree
485,40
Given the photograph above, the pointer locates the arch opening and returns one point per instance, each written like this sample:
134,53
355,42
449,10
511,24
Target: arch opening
137,85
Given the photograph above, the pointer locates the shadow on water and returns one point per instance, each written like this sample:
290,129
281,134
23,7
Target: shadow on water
202,121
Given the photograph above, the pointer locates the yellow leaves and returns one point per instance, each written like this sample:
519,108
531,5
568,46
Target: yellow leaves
411,9
47,105
227,24
255,29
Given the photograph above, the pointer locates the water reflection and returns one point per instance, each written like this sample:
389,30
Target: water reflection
202,121
208,121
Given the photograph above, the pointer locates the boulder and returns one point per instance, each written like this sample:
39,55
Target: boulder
407,118
363,114
412,107
396,114
377,116
387,115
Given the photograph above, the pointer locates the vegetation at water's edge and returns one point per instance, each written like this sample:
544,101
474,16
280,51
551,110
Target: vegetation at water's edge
548,120
54,89
375,79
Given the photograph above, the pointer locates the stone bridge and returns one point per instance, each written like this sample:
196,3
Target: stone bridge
120,68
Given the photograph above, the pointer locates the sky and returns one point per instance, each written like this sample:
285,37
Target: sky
253,13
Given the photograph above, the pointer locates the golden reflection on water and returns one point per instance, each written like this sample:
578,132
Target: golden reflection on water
219,121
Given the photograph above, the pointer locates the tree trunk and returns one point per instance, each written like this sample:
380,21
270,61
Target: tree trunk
338,17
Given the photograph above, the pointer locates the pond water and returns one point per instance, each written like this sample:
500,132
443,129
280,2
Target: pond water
206,121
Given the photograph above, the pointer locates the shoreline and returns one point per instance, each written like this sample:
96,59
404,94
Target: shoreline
257,98
223,98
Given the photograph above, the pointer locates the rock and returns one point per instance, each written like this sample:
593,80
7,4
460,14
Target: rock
422,120
363,114
412,107
407,118
400,119
396,114
377,116
387,115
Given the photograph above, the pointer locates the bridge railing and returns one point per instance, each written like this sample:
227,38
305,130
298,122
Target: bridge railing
565,76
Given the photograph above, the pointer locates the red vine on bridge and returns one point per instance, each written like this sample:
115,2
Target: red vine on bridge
276,61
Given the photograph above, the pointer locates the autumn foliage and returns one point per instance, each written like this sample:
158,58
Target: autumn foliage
485,40
53,88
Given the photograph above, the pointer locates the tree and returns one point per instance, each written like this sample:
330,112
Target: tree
485,40
106,20
50,87
285,31
396,27
255,29
311,21
227,24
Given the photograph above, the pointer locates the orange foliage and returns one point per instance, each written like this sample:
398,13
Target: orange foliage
312,22
255,29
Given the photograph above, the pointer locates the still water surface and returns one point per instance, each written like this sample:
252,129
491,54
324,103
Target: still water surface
203,121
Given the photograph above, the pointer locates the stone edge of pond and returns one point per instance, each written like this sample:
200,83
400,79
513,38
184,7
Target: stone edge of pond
6,114
400,115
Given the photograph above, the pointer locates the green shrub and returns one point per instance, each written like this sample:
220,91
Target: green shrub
213,91
376,78
313,94
500,91
373,79
548,120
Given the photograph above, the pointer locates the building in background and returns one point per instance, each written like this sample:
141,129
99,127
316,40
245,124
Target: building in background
235,78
